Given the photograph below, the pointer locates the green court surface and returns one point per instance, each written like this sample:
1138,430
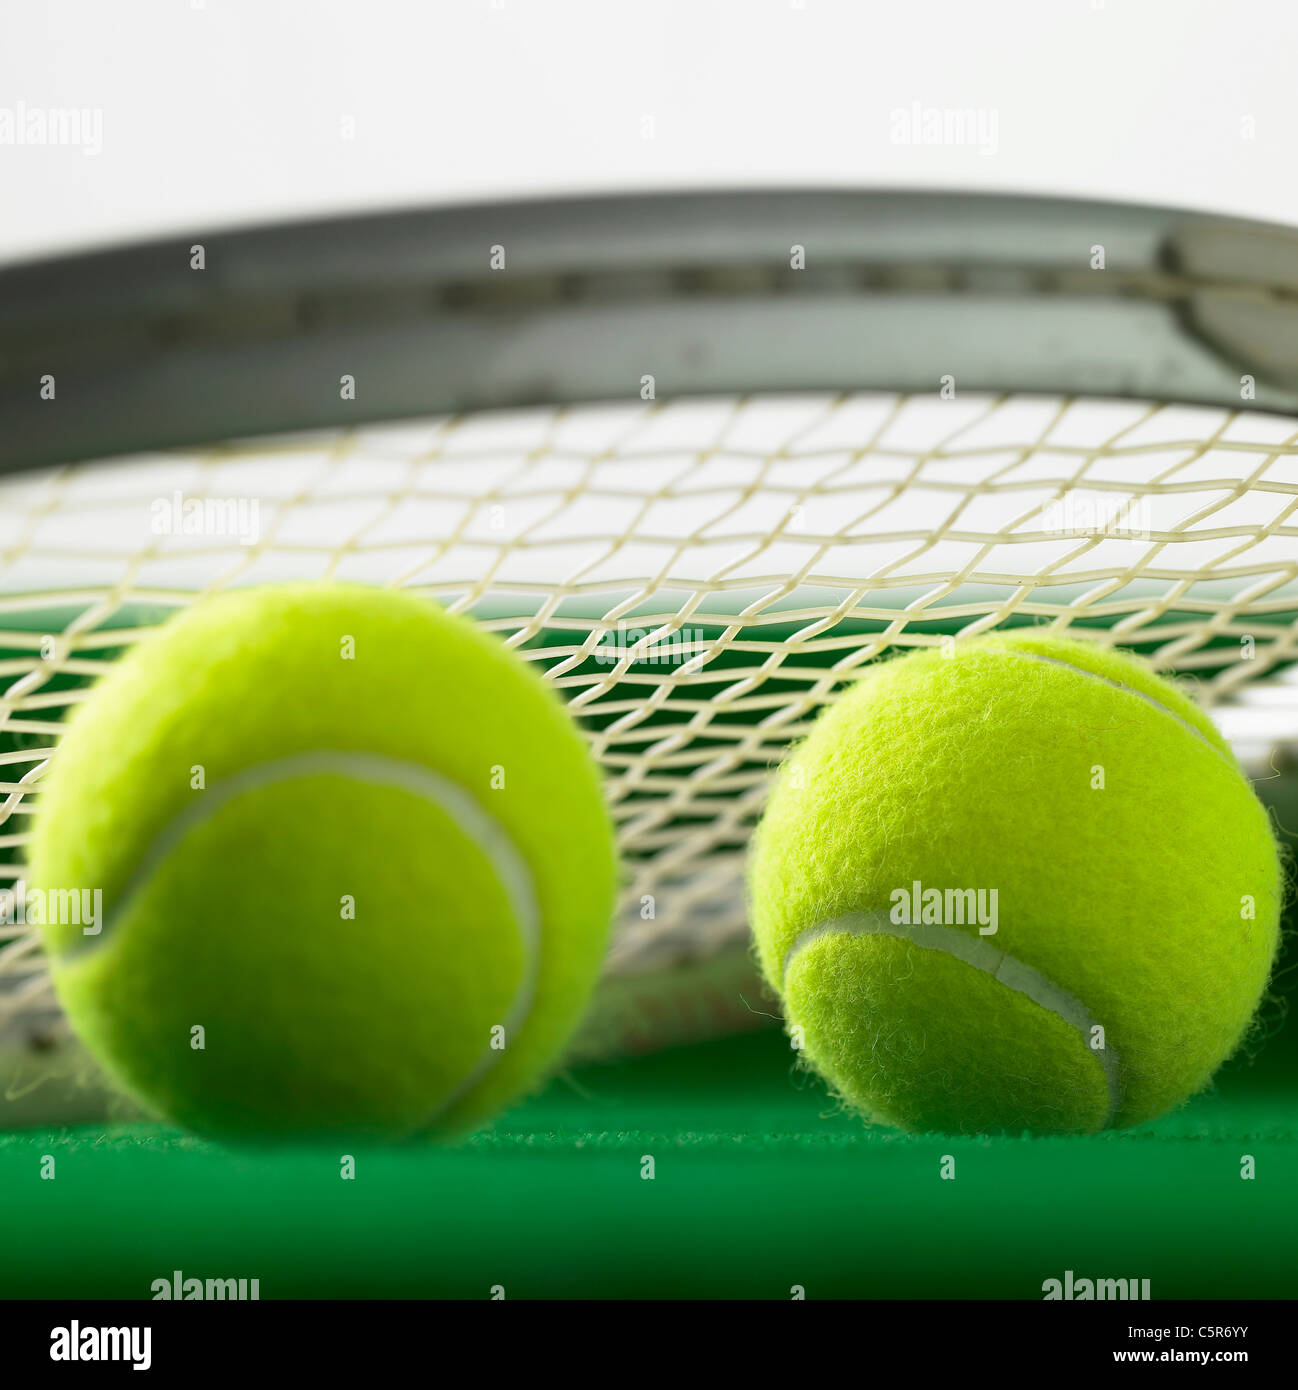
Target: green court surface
711,1171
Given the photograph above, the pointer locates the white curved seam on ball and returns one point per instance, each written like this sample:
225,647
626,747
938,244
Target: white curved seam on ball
979,953
1117,685
373,769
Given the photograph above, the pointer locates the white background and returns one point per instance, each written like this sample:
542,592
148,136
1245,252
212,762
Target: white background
229,111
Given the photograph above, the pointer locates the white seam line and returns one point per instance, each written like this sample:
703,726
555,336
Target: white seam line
1151,700
979,953
373,769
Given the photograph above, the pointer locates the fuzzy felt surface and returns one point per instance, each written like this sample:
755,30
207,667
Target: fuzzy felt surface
312,1019
1135,871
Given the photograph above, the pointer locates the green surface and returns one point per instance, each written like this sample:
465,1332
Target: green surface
759,1185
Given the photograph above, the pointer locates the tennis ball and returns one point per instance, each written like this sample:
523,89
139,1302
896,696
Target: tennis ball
1022,886
356,869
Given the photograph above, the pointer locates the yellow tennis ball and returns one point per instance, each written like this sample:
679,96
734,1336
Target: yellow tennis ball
1024,886
356,869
